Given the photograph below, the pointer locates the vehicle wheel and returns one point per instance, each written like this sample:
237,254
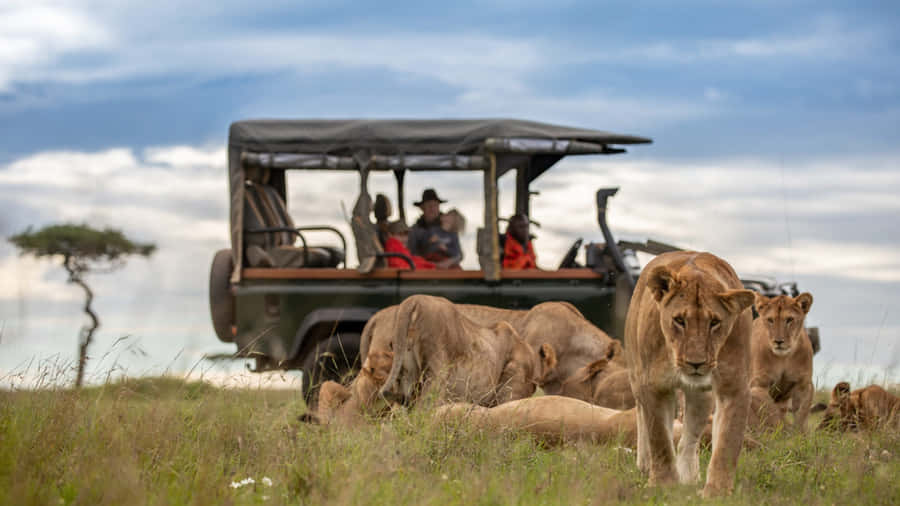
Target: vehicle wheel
334,359
221,300
568,260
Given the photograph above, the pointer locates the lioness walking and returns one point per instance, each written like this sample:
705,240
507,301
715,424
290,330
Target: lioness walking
781,361
688,328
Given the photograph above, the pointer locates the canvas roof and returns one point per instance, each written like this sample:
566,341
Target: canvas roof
402,136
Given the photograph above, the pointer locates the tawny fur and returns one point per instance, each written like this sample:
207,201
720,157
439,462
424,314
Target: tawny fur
603,382
867,408
553,419
781,361
688,328
438,348
556,330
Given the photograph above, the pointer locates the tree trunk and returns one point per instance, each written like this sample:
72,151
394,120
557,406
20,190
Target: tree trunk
87,332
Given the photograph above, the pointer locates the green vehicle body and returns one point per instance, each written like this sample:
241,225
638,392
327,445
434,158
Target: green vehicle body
295,315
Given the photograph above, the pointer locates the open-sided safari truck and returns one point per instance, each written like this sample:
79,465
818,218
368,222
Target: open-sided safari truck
291,304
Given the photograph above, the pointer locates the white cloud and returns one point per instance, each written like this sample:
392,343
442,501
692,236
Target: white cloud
825,38
34,36
35,278
625,112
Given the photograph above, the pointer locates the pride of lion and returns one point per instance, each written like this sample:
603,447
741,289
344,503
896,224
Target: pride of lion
696,367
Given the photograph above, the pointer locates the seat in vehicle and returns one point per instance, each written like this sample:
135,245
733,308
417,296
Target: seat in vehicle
264,208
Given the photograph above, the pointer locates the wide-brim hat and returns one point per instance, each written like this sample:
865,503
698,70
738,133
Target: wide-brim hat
429,194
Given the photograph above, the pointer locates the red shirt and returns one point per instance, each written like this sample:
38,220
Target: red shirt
394,245
517,257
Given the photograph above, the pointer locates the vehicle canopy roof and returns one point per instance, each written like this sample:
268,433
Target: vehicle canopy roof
415,136
493,146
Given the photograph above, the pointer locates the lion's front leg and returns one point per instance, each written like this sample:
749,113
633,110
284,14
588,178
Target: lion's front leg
656,413
729,422
801,401
697,406
643,442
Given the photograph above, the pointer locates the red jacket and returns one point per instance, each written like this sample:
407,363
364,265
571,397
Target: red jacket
517,257
394,245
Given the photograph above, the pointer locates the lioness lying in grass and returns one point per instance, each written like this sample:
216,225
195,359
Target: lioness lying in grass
867,408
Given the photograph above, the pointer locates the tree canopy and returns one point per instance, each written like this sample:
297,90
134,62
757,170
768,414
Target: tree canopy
81,246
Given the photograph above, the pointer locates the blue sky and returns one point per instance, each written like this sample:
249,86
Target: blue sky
775,134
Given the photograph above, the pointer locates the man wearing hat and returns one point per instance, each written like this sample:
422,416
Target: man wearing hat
426,237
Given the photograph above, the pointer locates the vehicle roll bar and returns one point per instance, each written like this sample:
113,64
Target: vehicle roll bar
271,230
326,228
298,231
404,256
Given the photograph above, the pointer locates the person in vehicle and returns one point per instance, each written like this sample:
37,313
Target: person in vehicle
518,252
397,236
428,239
382,209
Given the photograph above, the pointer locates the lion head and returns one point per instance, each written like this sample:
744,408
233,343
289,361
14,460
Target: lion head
697,312
378,365
782,318
840,413
583,383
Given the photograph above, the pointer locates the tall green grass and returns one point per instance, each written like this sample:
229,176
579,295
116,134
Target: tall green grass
166,441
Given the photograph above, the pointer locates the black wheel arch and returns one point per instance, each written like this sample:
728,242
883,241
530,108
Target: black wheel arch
322,323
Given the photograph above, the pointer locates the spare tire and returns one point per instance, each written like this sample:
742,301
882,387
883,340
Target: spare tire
221,300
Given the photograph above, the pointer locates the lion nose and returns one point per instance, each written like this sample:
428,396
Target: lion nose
696,365
779,342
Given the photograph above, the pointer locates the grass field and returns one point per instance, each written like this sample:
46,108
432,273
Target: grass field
165,441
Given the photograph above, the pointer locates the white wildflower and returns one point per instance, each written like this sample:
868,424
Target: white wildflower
267,481
245,481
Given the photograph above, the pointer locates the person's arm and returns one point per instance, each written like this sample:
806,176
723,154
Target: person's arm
455,248
414,240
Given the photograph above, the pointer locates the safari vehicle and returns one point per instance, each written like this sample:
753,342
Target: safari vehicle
291,304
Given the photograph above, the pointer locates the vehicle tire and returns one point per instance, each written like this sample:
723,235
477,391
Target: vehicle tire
221,300
334,359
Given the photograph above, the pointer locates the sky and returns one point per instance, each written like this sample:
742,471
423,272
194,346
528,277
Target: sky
775,144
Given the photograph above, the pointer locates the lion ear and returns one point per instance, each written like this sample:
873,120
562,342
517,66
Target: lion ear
614,350
660,282
548,357
596,367
736,301
841,392
759,300
805,300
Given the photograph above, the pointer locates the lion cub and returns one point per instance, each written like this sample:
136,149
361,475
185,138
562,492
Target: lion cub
782,356
688,328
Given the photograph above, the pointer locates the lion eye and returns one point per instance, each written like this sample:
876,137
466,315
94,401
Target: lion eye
714,323
770,320
788,320
679,321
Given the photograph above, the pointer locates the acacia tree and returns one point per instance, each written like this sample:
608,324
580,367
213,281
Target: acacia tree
82,250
